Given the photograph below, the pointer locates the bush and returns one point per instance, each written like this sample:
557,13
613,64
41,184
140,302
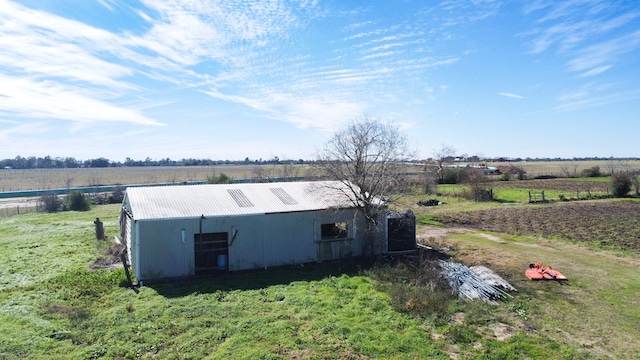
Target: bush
592,172
450,177
77,201
219,179
51,201
415,287
117,195
620,184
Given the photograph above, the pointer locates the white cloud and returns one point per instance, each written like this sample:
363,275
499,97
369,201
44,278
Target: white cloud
326,114
592,95
605,52
50,100
596,71
577,29
106,3
510,95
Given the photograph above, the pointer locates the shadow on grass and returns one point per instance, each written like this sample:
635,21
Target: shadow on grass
258,279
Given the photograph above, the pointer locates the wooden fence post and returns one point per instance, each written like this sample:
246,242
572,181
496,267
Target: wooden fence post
99,229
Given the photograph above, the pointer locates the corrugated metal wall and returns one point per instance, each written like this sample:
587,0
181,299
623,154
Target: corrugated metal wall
255,241
246,250
162,250
126,232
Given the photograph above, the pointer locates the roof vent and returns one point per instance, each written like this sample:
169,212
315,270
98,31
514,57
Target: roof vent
240,198
283,196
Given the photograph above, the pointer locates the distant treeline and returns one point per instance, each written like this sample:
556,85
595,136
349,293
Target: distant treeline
49,162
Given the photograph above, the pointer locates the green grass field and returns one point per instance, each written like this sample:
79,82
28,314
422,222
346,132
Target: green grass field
52,306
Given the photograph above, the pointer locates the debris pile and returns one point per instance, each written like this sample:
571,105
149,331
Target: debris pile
491,277
469,285
111,260
430,202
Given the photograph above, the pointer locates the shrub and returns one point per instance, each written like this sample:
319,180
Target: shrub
460,333
450,177
77,201
219,179
592,172
519,171
620,184
51,201
415,287
117,195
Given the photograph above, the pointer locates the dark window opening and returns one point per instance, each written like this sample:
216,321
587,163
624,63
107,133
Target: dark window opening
211,251
331,231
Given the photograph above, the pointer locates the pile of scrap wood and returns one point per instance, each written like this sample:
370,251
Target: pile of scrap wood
476,283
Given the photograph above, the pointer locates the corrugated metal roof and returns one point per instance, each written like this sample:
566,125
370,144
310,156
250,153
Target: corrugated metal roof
187,201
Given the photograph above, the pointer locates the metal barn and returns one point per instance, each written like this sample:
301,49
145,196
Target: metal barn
179,231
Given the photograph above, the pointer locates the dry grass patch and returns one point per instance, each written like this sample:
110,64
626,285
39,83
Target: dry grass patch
596,310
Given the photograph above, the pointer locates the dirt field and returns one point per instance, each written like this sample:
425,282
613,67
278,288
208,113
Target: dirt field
611,224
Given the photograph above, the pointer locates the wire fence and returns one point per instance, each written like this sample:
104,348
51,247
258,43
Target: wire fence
7,211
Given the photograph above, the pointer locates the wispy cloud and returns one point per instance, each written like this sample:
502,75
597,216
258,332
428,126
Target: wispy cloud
592,95
55,63
62,102
589,34
605,52
591,37
234,51
510,95
596,71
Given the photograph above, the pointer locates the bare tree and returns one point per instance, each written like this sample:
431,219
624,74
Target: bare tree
286,171
517,170
443,156
429,182
290,171
570,169
477,181
615,165
367,157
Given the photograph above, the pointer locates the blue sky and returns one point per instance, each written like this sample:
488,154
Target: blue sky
234,79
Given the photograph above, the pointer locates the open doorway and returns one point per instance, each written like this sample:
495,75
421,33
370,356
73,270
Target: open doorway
211,252
401,231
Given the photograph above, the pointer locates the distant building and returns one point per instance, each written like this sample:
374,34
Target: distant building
180,231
